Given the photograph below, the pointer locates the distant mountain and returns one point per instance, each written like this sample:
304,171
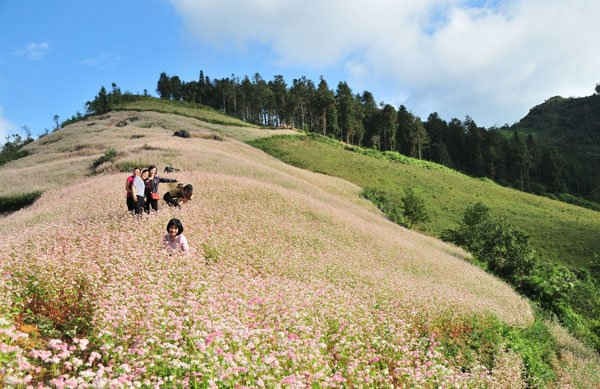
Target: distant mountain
571,127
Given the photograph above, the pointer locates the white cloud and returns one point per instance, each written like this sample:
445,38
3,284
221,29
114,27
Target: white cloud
492,62
5,127
34,51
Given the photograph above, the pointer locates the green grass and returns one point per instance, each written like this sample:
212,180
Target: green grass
15,202
182,108
559,232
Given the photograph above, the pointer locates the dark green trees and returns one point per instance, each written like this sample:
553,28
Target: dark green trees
349,114
358,119
163,87
323,101
100,104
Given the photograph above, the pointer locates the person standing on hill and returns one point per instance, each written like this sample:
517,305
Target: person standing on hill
181,194
139,189
130,198
152,188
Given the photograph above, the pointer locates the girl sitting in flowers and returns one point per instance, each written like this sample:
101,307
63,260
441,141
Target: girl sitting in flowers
174,239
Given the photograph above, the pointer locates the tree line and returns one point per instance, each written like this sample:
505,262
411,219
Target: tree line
356,118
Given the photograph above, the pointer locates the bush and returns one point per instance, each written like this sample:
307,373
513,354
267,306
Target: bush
473,340
573,297
108,156
411,212
57,310
504,250
18,201
385,203
537,347
182,133
12,149
414,208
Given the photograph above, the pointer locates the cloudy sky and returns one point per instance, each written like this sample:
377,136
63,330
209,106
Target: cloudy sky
492,60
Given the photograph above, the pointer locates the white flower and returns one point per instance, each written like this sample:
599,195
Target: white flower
83,343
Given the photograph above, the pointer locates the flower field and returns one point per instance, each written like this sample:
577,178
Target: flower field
292,281
280,289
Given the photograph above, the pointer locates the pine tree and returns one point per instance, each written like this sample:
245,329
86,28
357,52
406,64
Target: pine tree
474,140
279,92
100,104
404,123
387,127
519,161
552,170
115,95
301,95
419,137
163,87
369,109
322,102
436,130
176,88
348,112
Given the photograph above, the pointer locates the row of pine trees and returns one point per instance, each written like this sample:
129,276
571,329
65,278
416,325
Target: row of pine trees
358,119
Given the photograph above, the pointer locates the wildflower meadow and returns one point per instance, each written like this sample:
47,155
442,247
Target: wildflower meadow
279,290
293,280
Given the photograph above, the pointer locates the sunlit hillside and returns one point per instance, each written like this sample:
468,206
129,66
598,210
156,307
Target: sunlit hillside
293,279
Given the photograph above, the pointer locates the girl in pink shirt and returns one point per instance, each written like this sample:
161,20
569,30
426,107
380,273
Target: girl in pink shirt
174,239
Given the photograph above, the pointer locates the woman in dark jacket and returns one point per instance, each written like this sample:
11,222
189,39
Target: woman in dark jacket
152,188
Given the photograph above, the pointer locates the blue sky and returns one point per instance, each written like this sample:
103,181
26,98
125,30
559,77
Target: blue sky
55,55
492,60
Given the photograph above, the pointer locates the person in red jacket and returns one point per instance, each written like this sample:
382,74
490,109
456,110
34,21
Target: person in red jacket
131,202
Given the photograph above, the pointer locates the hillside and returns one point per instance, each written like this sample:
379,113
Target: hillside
561,232
572,127
293,279
565,120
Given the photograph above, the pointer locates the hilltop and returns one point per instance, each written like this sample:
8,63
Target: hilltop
294,278
571,126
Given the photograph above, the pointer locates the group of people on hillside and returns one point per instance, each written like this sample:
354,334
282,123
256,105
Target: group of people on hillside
142,195
141,190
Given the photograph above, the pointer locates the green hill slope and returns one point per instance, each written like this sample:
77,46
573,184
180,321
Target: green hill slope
182,108
561,232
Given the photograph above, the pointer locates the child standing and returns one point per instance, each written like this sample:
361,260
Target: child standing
174,238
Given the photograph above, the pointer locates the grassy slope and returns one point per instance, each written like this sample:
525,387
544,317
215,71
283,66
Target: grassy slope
65,156
182,108
561,232
312,249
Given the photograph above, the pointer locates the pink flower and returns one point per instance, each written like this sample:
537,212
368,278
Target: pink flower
93,357
59,382
289,380
337,377
212,336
